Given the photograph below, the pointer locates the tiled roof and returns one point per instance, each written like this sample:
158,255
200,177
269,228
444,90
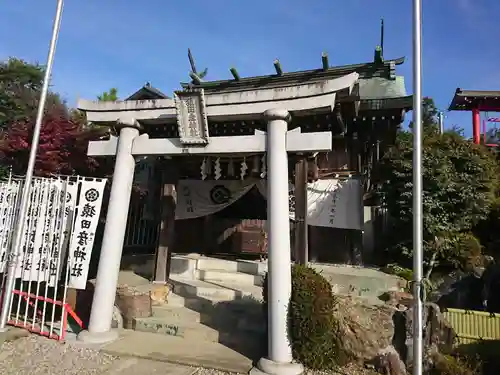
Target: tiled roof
384,69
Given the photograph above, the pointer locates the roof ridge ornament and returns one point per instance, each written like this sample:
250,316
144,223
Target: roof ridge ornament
196,78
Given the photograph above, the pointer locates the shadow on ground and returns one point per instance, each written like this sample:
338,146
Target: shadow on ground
483,354
241,322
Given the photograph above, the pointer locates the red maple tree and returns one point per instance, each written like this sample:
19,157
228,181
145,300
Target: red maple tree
62,148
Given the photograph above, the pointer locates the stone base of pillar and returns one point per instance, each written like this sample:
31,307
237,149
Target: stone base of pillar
98,337
268,367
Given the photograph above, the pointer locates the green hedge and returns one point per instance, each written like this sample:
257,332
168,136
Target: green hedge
311,324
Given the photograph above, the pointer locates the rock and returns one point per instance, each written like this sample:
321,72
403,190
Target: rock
388,362
365,329
117,319
133,303
383,335
438,334
395,298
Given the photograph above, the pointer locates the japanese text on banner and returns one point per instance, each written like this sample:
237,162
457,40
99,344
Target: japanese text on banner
82,240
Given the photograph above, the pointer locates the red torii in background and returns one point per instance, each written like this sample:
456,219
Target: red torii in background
477,102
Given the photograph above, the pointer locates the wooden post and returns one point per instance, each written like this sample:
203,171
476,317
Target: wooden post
167,222
301,242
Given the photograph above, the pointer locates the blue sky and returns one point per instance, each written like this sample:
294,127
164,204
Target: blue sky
124,43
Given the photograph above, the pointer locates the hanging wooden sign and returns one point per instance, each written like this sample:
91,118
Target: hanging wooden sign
191,117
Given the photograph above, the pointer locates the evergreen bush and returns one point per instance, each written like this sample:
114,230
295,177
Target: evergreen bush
312,328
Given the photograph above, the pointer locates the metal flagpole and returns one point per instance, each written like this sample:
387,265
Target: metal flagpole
417,188
19,229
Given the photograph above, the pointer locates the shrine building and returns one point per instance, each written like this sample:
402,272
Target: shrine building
362,122
231,166
477,101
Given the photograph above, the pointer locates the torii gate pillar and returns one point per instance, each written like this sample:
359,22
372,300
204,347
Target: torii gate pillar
99,329
191,109
280,358
277,142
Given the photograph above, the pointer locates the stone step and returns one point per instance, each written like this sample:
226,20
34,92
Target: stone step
197,331
179,313
247,317
235,278
242,266
221,291
345,280
179,328
175,300
357,281
246,307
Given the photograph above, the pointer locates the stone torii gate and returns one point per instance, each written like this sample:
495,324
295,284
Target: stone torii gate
192,109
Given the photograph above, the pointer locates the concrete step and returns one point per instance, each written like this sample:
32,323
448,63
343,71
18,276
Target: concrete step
179,328
221,291
235,278
227,333
345,280
211,306
179,313
247,317
243,266
357,281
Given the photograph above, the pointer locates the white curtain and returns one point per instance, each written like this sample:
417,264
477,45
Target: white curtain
330,203
197,198
336,204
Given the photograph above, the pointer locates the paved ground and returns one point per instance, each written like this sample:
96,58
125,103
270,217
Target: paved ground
35,355
196,353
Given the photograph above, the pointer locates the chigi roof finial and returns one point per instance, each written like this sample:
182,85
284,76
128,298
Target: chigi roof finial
196,77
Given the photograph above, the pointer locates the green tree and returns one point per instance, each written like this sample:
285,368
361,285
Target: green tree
78,117
109,96
459,184
20,85
63,138
430,114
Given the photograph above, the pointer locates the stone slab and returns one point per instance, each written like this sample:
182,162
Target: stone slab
13,333
135,366
178,328
177,350
179,313
237,278
216,290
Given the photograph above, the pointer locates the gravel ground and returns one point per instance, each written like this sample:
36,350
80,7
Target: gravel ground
36,355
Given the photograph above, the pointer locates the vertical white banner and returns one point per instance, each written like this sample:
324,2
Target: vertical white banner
35,232
64,231
4,217
50,257
8,199
82,238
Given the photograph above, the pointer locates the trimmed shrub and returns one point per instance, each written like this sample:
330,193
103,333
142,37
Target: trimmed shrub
312,329
452,365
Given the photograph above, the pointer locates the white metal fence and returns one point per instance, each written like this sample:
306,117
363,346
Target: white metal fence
57,242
